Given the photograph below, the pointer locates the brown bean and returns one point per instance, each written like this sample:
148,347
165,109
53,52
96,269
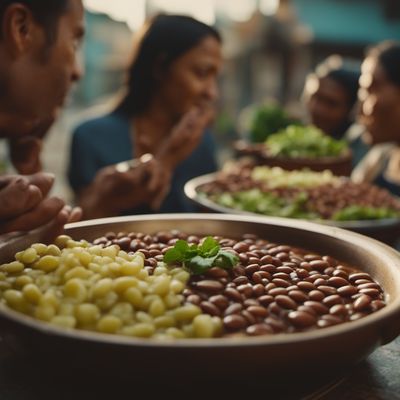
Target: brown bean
246,289
328,290
194,299
285,302
370,292
338,309
337,281
220,301
259,329
359,275
307,286
362,302
265,300
259,276
370,285
320,282
210,308
258,290
277,325
317,307
234,322
216,272
319,265
258,311
251,269
280,282
268,268
332,300
285,269
316,295
347,290
307,309
277,291
251,302
377,304
281,275
240,280
274,308
234,308
301,319
251,319
341,274
209,286
298,295
233,294
302,273
241,247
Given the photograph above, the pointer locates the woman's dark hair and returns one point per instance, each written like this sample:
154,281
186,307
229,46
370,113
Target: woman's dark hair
45,12
346,75
388,56
166,38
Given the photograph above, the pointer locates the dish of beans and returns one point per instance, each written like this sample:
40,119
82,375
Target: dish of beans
298,194
120,284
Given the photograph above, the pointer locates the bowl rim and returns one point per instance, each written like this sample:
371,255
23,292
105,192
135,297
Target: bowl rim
391,310
191,191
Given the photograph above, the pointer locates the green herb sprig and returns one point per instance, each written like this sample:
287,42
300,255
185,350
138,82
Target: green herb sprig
199,258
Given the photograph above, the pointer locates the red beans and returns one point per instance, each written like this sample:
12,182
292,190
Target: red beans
274,288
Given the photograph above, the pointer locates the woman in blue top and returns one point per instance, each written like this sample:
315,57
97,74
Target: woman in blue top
172,86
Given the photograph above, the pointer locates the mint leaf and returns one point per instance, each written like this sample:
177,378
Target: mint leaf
200,258
208,244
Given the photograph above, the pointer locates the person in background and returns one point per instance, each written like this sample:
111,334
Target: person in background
160,122
38,64
380,114
330,98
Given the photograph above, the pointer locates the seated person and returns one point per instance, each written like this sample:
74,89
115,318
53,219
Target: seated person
330,97
380,114
165,111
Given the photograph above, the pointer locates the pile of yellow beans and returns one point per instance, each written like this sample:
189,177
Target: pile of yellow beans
75,284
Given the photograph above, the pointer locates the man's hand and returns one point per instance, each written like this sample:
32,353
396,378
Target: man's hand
24,205
25,154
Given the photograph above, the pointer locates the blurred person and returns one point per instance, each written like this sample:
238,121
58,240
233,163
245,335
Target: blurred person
160,123
330,96
38,44
380,114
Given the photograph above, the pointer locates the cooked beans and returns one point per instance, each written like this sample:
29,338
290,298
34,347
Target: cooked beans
104,286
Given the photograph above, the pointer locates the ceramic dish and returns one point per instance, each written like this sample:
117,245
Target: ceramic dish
331,348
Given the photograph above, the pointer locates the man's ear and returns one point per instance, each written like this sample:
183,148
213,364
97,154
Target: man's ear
18,28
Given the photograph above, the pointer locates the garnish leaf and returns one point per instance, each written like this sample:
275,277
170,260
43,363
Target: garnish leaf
200,258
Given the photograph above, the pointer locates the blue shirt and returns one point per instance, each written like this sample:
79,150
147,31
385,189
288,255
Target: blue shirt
106,140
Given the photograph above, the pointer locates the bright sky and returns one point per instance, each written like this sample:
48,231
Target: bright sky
133,12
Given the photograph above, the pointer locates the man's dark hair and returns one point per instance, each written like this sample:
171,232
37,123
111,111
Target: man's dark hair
167,38
45,12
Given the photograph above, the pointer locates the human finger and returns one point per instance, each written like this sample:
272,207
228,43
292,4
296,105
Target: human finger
40,215
43,180
18,197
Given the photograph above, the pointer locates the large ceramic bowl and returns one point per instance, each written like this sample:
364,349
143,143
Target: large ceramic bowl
330,349
385,230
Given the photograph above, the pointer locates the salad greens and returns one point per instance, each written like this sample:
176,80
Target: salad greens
200,258
357,212
304,141
254,200
268,119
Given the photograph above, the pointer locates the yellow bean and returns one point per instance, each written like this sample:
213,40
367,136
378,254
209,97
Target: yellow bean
161,285
186,312
53,250
156,308
175,333
164,321
76,289
78,272
134,296
102,287
130,268
13,267
62,240
22,281
45,312
87,313
141,329
124,282
109,324
203,326
32,293
29,256
106,302
64,321
47,263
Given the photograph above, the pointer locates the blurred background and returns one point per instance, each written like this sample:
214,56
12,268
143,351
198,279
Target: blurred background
269,48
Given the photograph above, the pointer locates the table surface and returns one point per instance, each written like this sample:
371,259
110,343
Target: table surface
376,378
